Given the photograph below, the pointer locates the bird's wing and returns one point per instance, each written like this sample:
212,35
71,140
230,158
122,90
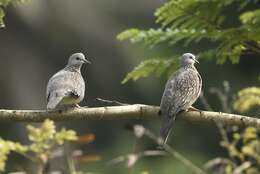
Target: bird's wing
181,91
167,108
170,98
59,86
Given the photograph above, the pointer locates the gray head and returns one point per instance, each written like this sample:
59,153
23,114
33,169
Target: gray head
188,59
77,59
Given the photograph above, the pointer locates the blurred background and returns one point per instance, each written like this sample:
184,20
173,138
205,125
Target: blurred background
40,36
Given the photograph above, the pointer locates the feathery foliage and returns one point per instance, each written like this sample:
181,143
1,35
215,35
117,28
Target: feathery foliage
244,151
156,66
187,22
247,99
43,141
6,147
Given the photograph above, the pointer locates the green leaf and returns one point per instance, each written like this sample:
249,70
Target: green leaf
250,17
4,3
6,147
250,134
186,22
130,33
153,37
156,66
44,139
44,133
65,135
41,137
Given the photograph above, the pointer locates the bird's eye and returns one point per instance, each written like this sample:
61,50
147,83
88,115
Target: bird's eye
77,58
190,57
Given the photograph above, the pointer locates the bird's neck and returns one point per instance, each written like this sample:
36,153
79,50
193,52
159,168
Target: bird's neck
190,66
74,68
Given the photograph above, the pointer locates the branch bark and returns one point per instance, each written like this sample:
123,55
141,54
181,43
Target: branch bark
136,111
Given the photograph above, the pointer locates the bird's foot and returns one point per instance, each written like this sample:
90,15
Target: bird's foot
71,107
77,106
191,108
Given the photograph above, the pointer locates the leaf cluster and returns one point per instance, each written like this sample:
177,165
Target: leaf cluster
155,66
188,22
247,99
244,151
6,147
43,140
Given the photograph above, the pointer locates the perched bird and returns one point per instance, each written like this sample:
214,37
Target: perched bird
67,86
181,91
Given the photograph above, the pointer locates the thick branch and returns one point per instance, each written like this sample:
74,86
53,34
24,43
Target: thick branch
136,111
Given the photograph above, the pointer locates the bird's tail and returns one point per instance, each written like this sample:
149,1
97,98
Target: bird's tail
167,123
53,102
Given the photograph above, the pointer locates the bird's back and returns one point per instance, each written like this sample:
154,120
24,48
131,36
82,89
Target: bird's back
64,82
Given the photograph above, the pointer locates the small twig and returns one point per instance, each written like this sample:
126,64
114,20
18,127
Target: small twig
29,157
134,151
153,153
40,167
174,153
111,102
256,49
116,160
222,98
219,124
217,162
70,161
132,158
242,167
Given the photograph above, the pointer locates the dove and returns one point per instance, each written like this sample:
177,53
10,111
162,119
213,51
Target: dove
66,88
181,91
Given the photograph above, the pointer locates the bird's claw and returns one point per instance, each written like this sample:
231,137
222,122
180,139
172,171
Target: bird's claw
191,108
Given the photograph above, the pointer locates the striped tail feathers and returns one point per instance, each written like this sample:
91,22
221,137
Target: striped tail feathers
166,127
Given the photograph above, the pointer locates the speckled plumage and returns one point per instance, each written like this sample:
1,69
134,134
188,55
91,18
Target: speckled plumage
67,87
181,91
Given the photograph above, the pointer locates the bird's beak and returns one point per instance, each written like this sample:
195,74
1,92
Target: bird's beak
195,59
87,61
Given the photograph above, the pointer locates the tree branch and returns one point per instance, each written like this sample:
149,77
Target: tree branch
136,111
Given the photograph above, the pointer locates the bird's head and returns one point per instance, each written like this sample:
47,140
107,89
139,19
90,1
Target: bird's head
188,59
77,59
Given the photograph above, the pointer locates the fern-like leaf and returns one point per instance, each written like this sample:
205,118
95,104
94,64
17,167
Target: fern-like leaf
186,22
251,17
152,66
